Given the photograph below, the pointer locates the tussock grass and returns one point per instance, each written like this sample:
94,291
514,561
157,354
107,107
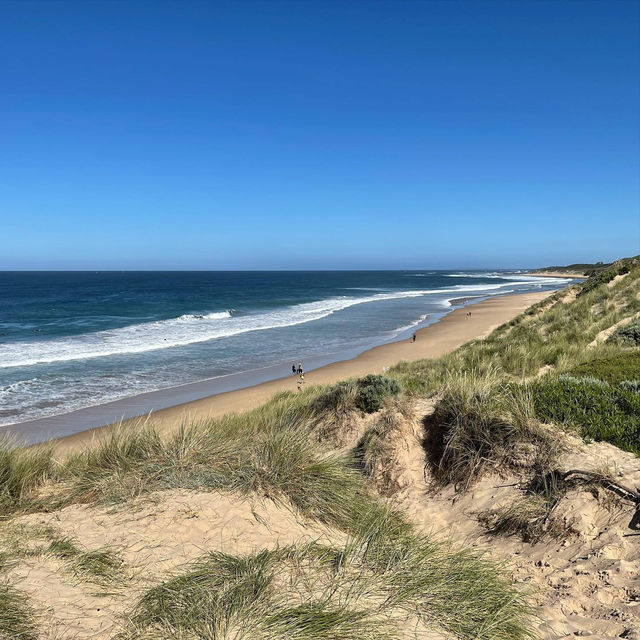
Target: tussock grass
480,423
531,517
17,620
22,470
102,566
268,452
385,578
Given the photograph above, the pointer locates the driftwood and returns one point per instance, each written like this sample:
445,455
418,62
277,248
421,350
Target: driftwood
590,476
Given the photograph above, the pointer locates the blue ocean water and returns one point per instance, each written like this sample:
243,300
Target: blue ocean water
75,339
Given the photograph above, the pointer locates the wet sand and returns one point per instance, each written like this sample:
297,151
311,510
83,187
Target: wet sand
435,340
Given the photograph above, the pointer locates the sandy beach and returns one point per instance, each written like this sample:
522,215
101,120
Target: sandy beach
446,335
557,274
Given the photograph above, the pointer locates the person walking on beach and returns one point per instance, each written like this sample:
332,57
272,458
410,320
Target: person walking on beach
414,337
299,367
293,369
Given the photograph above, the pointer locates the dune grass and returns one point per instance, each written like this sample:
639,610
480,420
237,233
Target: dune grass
21,471
101,566
480,422
17,621
385,579
554,333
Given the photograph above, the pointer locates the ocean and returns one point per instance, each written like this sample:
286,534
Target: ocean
69,340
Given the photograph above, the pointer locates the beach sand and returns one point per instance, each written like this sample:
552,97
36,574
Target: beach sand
556,274
446,335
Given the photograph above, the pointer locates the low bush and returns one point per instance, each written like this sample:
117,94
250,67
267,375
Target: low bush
616,369
630,385
628,335
598,411
367,394
373,390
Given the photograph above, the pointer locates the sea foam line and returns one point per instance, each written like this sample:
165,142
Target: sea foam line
192,328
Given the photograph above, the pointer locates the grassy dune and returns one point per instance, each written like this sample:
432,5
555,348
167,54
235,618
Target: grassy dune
497,401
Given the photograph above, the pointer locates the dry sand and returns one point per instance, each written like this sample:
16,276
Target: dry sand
446,335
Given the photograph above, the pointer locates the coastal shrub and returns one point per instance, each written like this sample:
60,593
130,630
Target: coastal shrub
628,335
21,471
373,390
598,411
367,394
16,616
356,592
630,385
615,369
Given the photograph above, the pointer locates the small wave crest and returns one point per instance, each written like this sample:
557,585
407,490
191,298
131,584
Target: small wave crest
193,328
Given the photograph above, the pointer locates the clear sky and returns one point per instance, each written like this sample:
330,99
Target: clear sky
306,135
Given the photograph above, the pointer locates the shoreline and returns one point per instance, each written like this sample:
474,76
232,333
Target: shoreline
556,274
441,337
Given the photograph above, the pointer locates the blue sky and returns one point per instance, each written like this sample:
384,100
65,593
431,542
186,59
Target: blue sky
305,135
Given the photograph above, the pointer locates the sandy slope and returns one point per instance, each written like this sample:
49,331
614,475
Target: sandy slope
154,535
586,585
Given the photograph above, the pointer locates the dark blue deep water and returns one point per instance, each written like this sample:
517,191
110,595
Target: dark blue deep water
75,339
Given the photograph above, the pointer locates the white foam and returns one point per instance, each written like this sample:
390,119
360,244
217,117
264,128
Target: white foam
511,276
192,328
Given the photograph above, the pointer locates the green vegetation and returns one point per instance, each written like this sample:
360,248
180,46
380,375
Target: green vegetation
102,566
21,471
605,276
595,409
585,268
367,394
615,369
627,335
383,578
478,422
16,617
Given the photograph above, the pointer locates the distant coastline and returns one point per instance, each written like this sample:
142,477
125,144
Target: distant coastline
557,274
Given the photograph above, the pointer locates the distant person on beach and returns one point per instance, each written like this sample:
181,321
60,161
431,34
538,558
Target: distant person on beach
293,369
299,367
414,337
